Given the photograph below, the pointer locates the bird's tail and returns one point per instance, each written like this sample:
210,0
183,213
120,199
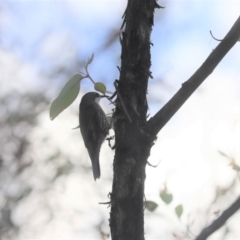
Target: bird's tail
96,168
94,155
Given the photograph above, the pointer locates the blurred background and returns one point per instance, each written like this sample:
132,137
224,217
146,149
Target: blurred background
46,186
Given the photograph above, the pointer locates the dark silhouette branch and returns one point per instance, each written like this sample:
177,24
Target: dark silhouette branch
220,221
157,122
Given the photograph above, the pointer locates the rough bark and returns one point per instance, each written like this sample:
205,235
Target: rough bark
132,145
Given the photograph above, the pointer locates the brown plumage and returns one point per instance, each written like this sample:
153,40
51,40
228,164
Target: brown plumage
94,128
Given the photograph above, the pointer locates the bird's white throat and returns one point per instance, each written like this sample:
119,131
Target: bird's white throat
97,99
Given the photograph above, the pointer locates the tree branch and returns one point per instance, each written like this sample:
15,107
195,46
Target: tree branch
157,122
219,222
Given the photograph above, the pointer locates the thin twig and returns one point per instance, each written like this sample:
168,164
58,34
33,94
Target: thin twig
214,37
88,74
151,165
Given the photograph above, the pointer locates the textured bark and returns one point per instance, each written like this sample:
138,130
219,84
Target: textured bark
132,143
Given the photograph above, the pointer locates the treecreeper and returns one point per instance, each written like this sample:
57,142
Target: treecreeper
94,128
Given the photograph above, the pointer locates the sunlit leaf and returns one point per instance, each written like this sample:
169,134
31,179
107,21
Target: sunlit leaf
151,206
90,59
179,210
66,96
166,197
100,87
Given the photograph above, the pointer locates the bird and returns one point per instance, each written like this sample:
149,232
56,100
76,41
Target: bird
94,127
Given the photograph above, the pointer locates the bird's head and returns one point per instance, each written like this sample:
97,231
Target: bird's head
91,97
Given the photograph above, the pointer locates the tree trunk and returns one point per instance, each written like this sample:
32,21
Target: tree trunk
132,143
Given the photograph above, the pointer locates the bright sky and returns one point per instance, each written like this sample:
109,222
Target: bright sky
41,35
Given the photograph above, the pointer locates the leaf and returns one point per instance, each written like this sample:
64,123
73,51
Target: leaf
166,197
66,96
90,59
179,210
100,87
151,206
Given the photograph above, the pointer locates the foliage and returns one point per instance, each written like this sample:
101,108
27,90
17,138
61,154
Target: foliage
70,91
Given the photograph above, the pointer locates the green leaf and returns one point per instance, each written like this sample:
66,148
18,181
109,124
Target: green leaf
100,87
179,210
151,206
166,197
90,59
66,96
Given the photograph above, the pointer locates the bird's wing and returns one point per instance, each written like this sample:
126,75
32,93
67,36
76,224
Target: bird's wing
102,120
95,120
